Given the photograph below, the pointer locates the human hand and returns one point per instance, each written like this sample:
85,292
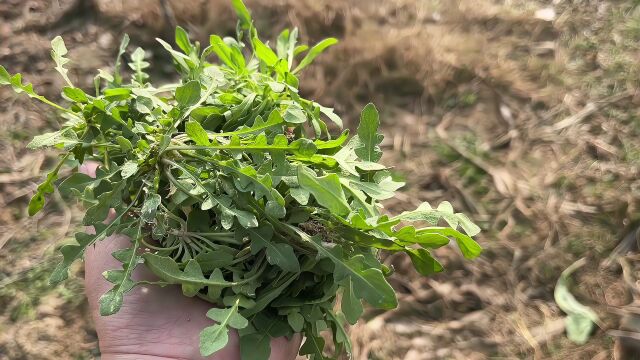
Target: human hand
154,323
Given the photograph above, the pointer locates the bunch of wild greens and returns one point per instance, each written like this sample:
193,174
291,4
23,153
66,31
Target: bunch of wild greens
230,184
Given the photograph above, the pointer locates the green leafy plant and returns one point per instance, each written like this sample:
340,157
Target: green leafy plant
230,184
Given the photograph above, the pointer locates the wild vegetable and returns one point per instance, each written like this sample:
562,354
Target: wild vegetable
230,184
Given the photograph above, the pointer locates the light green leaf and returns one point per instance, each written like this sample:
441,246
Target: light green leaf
129,168
214,338
188,94
314,52
58,52
580,318
196,133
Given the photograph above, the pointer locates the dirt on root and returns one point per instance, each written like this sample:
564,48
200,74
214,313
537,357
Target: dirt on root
522,113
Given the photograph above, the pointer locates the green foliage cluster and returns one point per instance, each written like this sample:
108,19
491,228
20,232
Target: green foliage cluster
230,184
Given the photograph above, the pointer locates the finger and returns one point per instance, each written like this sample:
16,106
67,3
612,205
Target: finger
89,168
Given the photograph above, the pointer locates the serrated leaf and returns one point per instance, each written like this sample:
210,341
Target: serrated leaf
325,189
58,52
111,302
214,338
64,137
444,211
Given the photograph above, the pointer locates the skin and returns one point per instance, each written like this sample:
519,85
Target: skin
154,323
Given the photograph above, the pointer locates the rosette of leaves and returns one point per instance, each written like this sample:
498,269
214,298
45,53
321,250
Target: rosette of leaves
230,184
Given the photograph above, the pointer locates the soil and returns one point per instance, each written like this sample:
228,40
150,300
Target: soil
523,114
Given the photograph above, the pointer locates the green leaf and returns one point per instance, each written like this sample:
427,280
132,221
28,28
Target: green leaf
580,318
295,115
64,137
138,65
111,301
255,347
216,337
424,263
325,189
279,254
75,94
314,52
369,149
129,168
264,52
182,40
243,13
196,133
117,78
351,305
368,283
188,94
58,52
168,270
444,211
314,346
150,206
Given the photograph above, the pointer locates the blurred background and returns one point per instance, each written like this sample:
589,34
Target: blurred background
524,114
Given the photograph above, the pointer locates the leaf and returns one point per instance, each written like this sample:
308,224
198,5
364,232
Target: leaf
255,347
58,51
444,211
168,270
580,318
243,13
196,133
424,263
129,168
111,302
351,306
73,252
117,78
368,283
150,206
325,189
138,65
314,52
214,338
182,40
313,345
188,94
264,52
64,137
296,321
295,115
279,254
75,94
369,149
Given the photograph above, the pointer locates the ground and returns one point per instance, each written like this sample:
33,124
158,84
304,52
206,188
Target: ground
524,114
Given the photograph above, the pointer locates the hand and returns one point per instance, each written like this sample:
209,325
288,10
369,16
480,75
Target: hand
154,322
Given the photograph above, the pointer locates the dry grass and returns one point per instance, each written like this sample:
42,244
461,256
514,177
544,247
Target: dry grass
526,119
